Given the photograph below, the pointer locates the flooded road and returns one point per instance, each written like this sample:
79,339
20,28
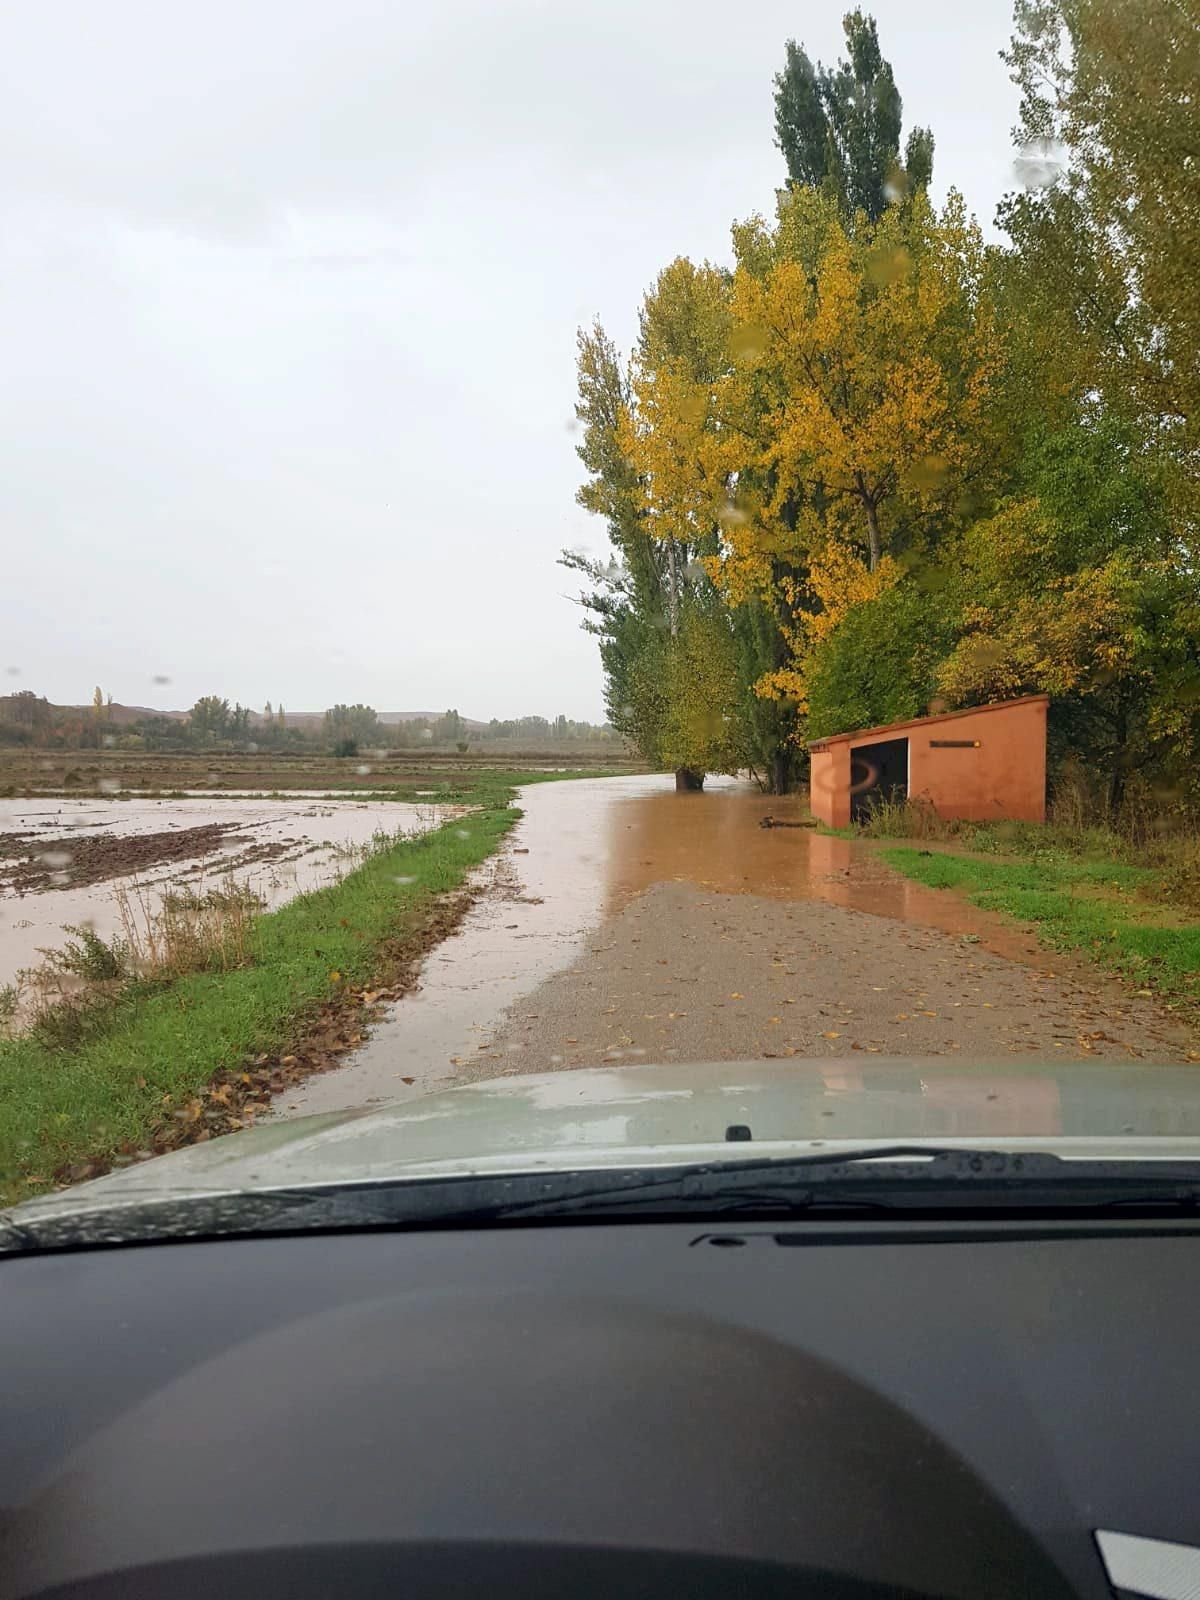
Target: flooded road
67,862
623,921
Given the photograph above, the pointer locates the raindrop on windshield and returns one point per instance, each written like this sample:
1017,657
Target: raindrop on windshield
1039,164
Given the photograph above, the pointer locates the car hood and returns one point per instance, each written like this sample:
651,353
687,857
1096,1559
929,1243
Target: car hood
638,1116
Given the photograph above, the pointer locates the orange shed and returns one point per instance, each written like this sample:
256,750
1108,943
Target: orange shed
984,764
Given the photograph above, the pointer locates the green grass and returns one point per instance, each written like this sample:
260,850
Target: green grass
64,1105
1075,904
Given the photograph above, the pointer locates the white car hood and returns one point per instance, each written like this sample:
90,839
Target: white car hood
636,1116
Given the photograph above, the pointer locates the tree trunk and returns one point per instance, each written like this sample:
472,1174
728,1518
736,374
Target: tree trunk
672,588
688,781
873,534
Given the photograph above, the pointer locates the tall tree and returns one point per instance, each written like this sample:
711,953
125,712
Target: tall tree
1108,225
626,602
839,127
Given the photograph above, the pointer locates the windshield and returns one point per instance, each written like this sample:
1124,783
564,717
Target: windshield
596,584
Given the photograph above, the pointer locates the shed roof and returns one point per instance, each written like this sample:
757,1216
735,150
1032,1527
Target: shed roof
927,722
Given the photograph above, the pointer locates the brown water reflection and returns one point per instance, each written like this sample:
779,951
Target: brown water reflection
716,841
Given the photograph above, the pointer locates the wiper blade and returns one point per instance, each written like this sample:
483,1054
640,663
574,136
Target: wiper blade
886,1177
893,1178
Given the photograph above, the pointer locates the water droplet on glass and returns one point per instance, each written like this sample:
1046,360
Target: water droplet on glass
56,858
363,770
929,473
402,881
747,342
60,880
160,678
109,786
891,264
463,833
13,672
1039,164
109,740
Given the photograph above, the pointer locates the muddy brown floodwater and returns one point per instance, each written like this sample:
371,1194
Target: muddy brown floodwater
625,922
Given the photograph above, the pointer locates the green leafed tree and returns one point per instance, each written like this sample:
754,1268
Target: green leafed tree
351,725
839,127
208,719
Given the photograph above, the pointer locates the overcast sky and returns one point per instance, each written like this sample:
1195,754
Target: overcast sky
289,291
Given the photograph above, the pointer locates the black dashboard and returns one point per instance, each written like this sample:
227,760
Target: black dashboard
636,1409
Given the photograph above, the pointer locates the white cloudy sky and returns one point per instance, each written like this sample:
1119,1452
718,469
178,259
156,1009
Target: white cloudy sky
289,291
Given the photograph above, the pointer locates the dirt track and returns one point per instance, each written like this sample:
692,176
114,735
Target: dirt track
625,923
684,974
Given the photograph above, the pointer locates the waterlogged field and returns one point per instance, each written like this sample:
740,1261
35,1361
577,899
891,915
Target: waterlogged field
255,935
98,862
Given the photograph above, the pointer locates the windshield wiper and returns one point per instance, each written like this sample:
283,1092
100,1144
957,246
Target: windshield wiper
887,1177
905,1178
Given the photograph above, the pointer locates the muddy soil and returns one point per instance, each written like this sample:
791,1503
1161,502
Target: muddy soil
29,864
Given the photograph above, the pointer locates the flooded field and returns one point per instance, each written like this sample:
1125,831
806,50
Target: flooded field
66,862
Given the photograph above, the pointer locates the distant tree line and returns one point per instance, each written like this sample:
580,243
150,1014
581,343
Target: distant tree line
214,724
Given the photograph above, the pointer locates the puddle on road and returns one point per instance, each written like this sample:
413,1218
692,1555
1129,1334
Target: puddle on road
582,850
717,841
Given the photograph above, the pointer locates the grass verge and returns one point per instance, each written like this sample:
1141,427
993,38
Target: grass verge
167,1063
1096,906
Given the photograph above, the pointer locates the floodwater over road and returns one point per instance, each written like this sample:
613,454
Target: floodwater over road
586,851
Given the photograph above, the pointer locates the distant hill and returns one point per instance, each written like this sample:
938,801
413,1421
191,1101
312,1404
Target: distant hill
122,715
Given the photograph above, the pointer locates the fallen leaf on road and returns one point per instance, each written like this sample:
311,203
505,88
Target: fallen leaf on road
774,1019
572,1041
737,996
830,1034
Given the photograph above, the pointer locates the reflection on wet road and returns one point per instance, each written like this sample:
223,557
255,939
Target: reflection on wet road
584,850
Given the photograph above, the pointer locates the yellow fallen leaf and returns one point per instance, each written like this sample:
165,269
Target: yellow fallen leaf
774,1019
737,996
830,1034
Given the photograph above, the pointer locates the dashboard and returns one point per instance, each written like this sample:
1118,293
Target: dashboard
637,1409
